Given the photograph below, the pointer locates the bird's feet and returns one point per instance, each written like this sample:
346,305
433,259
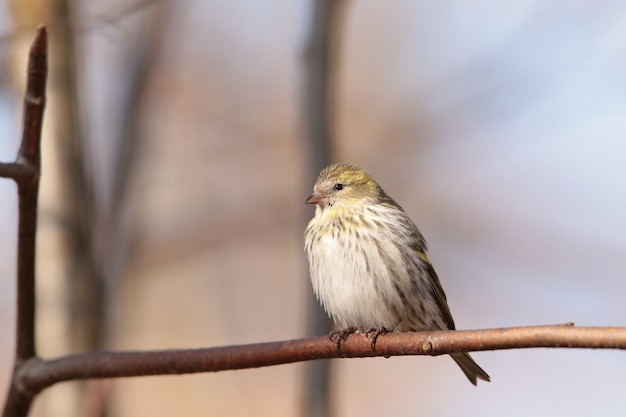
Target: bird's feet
336,336
373,333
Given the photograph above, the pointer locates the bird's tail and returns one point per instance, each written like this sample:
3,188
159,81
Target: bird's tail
470,368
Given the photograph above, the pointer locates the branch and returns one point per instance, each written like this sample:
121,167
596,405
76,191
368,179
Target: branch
37,374
29,157
25,172
16,171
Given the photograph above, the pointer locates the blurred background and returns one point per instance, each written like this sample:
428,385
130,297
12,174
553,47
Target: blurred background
176,163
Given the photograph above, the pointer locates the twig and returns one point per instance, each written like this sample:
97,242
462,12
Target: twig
17,171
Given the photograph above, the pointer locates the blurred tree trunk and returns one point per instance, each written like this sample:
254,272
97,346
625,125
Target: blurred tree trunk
119,218
321,55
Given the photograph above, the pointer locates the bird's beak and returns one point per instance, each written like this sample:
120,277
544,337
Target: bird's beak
316,198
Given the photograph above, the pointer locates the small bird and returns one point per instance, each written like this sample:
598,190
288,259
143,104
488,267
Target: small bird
368,263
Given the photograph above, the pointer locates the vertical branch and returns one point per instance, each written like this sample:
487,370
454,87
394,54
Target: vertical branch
320,61
26,172
17,404
28,188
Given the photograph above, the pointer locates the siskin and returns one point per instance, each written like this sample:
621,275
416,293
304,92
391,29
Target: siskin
368,263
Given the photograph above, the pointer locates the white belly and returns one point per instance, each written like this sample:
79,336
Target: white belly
355,284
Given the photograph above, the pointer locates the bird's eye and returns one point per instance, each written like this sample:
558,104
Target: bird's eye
338,187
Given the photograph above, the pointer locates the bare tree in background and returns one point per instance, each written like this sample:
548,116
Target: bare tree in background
321,59
92,241
117,220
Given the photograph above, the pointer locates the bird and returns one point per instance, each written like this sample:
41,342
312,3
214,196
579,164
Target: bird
368,263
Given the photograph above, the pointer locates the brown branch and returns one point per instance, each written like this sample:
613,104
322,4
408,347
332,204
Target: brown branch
25,172
29,157
16,171
37,374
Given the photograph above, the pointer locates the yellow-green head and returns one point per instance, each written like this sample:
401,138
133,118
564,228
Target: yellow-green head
345,185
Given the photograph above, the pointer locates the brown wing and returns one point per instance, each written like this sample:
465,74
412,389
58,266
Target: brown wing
440,296
417,243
